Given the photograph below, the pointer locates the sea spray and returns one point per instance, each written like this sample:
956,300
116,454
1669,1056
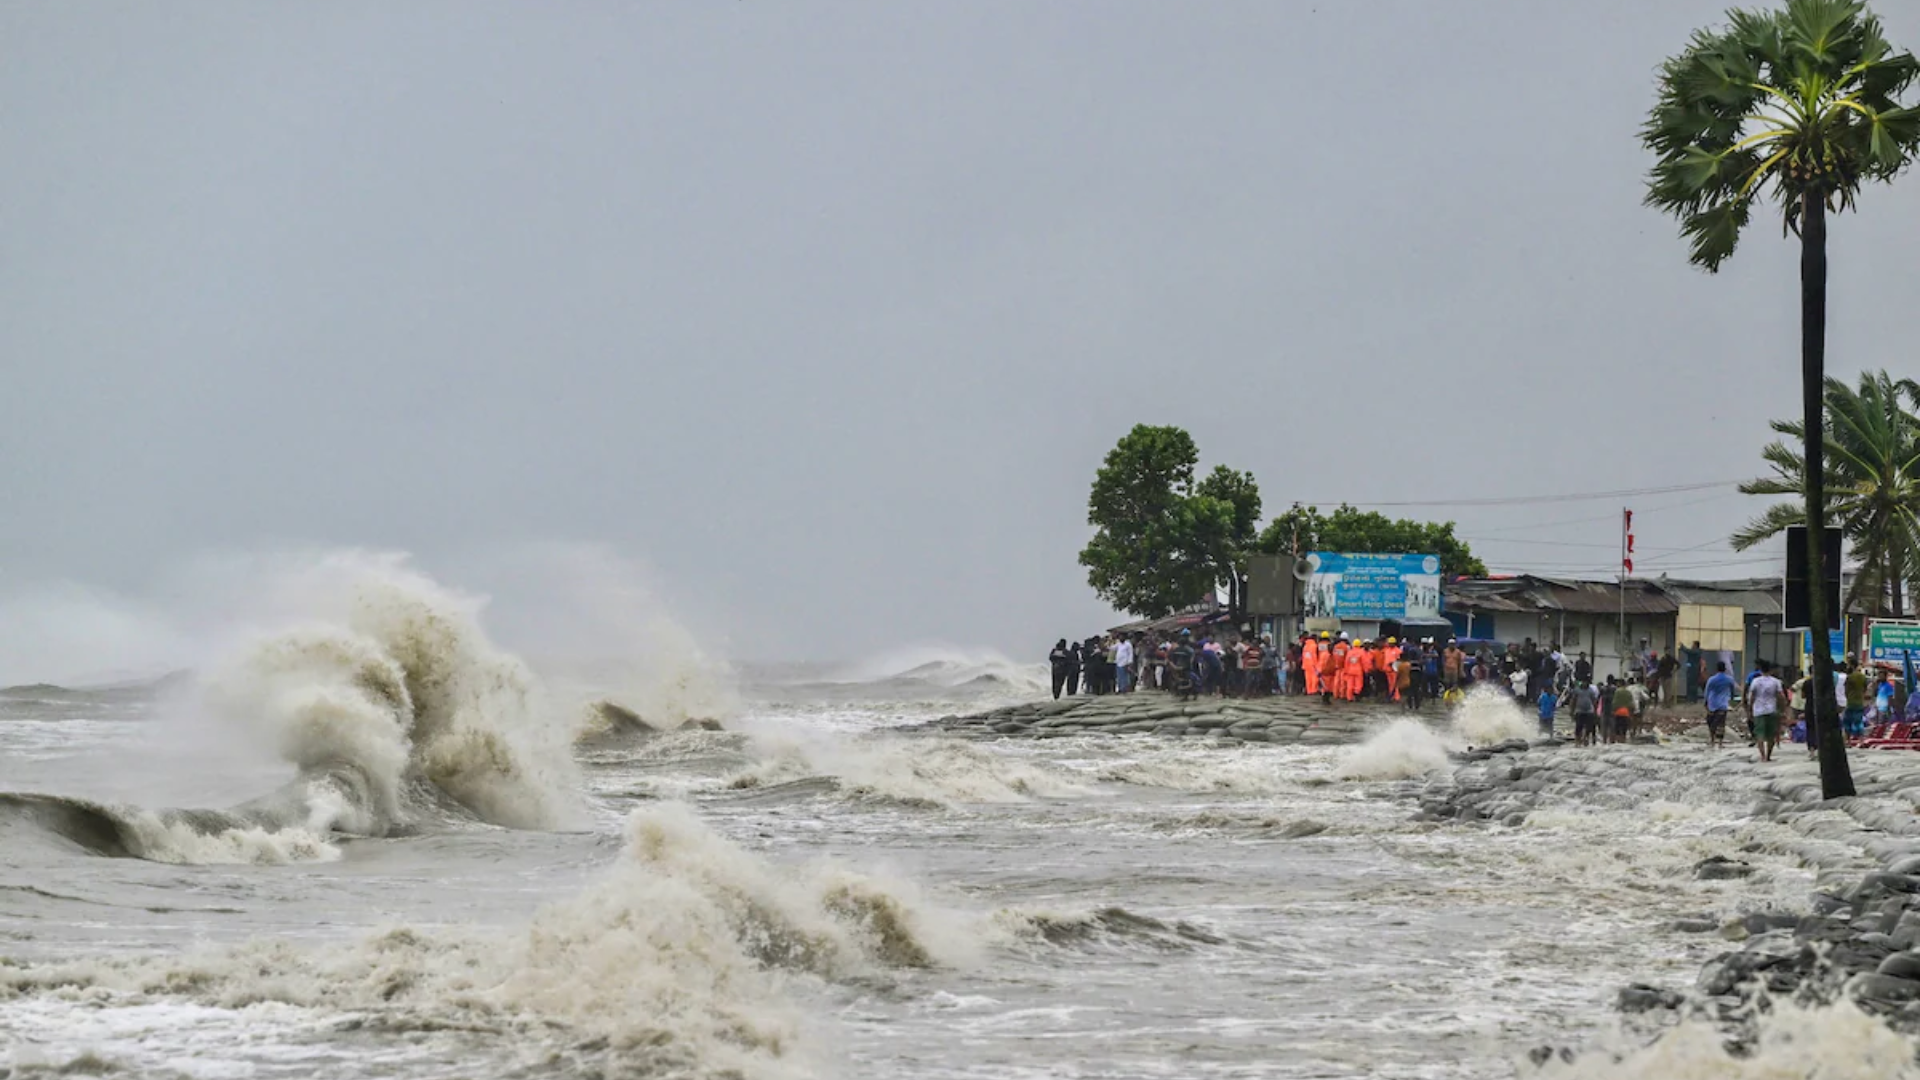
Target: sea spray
1488,716
676,962
407,687
1408,748
1402,750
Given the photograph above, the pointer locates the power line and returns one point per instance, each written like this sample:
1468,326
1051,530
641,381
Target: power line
1615,546
1529,500
1613,517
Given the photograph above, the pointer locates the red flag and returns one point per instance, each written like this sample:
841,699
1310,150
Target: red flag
1628,563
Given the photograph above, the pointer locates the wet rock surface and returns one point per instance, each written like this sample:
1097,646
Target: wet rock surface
1272,720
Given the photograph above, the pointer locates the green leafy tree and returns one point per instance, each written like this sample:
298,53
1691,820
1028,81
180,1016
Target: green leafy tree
1303,528
1802,105
1235,516
1157,541
1873,485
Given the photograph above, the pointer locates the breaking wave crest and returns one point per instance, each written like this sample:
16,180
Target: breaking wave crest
929,674
1400,751
408,692
1488,716
1108,927
1406,749
938,772
673,964
199,837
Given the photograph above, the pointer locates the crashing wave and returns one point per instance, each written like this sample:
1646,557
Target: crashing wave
671,964
396,713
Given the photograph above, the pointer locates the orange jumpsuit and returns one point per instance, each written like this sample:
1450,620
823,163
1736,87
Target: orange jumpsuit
1392,669
1329,671
1356,673
1310,663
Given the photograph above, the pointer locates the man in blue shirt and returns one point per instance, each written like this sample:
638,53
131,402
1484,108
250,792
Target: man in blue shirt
1720,690
1548,700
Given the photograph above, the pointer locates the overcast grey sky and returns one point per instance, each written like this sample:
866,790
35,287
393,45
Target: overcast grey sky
826,312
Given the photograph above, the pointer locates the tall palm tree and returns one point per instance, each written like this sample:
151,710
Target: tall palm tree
1802,105
1872,485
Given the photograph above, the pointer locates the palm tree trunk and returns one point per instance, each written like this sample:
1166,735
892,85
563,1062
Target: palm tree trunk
1836,780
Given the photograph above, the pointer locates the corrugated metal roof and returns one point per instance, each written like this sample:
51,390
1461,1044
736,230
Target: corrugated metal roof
1529,593
1758,596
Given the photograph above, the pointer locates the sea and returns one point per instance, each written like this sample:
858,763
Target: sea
374,841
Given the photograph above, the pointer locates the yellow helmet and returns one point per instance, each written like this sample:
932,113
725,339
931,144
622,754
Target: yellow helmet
1393,641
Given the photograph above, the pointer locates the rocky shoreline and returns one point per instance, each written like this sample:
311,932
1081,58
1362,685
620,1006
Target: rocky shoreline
1858,937
1304,721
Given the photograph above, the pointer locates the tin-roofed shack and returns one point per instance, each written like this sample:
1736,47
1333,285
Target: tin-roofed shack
1583,616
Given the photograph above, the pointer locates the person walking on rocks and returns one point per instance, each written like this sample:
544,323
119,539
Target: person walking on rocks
1854,719
1549,701
1059,659
1180,661
1622,717
1720,691
1310,662
1451,665
1252,658
1122,666
1764,699
1586,713
1073,670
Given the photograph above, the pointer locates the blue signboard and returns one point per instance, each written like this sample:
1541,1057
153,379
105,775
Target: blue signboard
1836,644
1371,587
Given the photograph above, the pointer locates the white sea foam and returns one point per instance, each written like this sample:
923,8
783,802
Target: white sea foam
1833,1043
173,841
944,771
1488,716
674,963
1203,768
1403,749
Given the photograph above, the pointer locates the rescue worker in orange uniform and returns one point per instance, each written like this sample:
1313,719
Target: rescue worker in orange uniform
1329,673
1310,662
1356,673
1390,658
1342,649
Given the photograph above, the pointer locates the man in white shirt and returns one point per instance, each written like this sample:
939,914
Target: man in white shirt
1763,698
1123,666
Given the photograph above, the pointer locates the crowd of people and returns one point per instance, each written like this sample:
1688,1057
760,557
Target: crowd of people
1333,667
1410,673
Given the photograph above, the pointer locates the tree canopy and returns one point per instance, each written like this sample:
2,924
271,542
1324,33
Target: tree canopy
1798,104
1872,466
1159,538
1164,541
1303,528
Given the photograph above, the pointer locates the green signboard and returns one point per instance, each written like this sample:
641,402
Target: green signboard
1889,642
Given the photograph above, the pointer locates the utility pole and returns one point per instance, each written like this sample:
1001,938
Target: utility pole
1626,568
